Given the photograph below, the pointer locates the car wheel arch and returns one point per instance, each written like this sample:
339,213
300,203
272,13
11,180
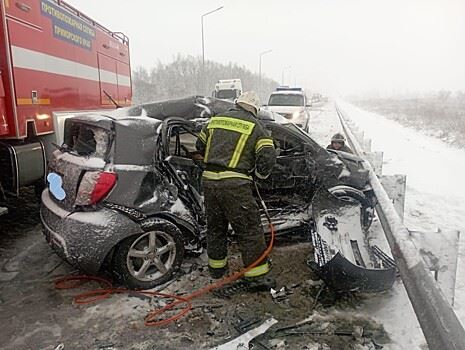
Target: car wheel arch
120,259
189,232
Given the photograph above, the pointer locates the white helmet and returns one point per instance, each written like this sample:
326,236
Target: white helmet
250,101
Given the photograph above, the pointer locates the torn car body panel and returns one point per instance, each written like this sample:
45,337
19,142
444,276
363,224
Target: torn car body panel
343,257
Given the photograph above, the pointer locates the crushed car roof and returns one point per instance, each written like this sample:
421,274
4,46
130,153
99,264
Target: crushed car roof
189,108
152,113
192,107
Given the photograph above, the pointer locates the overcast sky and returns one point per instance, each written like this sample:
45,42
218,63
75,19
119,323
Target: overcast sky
335,46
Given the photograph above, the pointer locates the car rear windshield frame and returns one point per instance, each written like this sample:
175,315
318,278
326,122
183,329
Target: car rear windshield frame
87,140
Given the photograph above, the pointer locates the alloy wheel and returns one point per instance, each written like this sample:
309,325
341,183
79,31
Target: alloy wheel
151,255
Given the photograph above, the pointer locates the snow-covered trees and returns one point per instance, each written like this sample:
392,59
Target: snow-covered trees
183,77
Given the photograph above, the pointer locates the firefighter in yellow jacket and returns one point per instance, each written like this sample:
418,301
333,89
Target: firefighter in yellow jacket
236,147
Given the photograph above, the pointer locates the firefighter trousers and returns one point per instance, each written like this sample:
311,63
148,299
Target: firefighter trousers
231,201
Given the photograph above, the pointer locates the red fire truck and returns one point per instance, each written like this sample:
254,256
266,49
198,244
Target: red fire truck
54,62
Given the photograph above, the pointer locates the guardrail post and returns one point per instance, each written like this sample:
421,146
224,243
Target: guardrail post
376,161
395,186
441,257
359,136
367,145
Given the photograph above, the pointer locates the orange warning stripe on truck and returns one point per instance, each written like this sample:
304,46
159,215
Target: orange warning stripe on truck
28,101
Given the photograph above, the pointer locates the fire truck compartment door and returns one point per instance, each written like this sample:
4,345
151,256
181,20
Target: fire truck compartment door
124,83
108,79
28,11
25,165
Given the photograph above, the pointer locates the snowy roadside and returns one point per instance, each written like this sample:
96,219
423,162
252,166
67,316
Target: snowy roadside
392,309
441,119
435,197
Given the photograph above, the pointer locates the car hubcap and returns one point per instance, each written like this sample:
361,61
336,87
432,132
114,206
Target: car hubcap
151,256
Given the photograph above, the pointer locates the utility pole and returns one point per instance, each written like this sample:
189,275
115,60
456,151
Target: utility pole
260,71
203,49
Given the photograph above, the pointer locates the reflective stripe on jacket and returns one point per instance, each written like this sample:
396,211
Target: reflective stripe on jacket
234,143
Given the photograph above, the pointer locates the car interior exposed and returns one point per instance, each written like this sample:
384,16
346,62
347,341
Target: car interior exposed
184,156
182,143
87,140
294,168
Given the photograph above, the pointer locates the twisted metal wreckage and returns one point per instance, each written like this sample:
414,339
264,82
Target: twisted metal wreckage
313,194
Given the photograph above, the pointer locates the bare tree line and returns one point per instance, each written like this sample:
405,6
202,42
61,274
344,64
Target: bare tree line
183,77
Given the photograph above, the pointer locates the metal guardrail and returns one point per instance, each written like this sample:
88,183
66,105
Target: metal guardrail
439,323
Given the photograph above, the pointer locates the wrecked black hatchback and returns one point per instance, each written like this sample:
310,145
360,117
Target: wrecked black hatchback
124,190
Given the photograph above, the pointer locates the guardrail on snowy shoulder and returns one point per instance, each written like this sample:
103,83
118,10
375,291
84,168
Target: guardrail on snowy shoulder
437,319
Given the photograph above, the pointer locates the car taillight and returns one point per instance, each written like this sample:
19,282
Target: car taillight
94,186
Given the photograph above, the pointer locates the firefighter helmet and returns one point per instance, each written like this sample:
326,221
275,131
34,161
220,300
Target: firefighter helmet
250,101
338,137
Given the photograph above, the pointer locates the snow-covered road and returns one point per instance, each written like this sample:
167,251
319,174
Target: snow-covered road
435,171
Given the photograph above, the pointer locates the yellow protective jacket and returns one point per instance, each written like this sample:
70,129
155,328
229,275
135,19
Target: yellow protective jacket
234,145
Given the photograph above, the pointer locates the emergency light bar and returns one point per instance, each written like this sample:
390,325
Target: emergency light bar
287,88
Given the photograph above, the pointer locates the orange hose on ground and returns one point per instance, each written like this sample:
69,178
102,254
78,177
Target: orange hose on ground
153,317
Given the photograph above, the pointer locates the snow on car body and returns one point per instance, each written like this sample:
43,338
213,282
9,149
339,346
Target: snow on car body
125,188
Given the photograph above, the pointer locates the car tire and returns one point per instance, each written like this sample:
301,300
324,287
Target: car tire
149,259
352,194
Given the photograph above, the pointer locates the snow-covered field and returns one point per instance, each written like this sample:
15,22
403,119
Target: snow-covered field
435,171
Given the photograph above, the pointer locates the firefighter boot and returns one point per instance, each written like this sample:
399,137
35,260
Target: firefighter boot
217,273
260,283
248,284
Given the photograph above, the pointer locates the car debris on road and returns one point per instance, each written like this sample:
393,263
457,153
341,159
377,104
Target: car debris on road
242,342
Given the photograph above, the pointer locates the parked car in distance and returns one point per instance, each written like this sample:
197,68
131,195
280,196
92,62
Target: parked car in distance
124,190
290,102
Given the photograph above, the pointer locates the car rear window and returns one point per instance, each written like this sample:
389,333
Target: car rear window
86,140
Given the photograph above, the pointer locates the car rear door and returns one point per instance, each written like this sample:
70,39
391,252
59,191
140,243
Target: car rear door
178,152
